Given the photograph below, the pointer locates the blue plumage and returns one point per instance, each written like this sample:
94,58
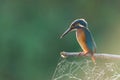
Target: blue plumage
89,40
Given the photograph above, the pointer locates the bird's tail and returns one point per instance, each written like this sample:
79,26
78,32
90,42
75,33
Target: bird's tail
93,59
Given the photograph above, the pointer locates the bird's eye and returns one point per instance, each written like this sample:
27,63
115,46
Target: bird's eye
72,27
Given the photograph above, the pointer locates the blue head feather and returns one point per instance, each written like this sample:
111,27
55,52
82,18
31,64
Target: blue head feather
81,22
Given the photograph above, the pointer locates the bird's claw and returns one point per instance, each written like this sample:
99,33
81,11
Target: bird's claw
81,54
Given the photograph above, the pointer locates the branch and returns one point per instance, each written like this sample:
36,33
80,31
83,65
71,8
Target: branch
97,55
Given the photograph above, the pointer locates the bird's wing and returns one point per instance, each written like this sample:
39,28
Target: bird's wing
90,40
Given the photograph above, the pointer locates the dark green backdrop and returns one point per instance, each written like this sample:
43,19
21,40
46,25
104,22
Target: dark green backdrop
30,30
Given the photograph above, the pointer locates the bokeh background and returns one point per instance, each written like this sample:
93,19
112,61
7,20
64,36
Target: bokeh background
30,31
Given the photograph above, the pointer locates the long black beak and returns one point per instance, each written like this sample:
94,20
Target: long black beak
66,32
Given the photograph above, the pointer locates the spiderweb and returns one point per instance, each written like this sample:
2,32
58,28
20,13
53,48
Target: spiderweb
75,68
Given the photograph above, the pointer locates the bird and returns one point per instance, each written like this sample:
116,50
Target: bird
84,37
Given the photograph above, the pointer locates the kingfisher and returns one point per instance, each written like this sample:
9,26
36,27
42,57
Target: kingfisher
83,36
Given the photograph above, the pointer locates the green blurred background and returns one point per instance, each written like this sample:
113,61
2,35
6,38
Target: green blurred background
30,31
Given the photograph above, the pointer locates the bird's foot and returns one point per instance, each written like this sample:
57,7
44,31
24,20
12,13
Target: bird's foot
93,59
82,54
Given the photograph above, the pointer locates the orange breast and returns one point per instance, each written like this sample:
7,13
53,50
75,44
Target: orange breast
81,38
